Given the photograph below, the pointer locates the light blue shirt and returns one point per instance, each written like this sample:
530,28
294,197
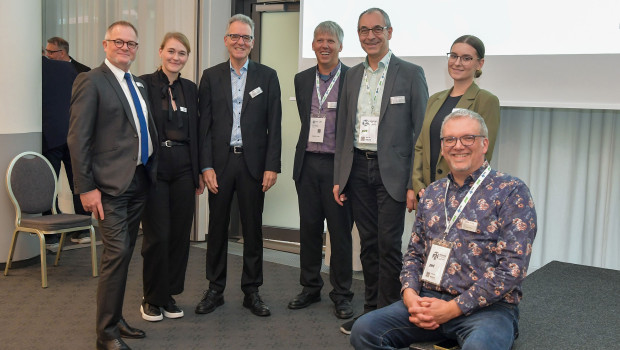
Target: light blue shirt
237,83
369,99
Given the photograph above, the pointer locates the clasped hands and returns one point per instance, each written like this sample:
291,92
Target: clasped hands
429,313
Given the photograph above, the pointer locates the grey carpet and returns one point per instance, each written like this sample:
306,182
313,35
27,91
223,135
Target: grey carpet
63,315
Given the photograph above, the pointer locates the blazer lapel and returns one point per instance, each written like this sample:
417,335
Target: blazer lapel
356,84
116,86
469,97
250,82
308,86
390,79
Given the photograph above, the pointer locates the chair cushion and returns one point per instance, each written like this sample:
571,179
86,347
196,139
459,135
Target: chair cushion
56,222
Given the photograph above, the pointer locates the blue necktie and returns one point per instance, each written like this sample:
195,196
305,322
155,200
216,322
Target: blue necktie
144,135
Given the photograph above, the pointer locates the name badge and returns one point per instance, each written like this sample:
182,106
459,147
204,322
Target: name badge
470,226
317,128
183,109
332,105
139,84
437,262
369,128
256,92
395,100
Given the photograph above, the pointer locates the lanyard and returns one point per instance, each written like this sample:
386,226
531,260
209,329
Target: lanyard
464,202
373,100
329,88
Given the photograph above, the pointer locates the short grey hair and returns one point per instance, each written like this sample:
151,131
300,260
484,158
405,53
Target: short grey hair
466,114
243,19
331,28
386,18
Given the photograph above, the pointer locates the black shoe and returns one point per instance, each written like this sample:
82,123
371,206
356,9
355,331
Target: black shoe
150,312
347,326
128,331
114,344
343,309
254,302
210,300
171,310
303,300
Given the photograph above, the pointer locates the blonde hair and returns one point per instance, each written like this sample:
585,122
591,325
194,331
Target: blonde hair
178,36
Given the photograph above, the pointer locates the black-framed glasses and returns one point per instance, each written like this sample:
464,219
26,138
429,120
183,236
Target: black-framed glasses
132,45
377,30
236,37
49,52
465,59
466,140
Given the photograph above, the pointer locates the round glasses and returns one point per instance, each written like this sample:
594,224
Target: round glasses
132,45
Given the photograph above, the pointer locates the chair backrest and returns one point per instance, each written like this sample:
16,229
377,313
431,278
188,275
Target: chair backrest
31,183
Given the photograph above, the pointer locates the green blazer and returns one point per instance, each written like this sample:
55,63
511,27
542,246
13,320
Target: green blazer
478,100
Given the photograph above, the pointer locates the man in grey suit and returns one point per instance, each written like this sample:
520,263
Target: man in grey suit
110,142
317,90
380,114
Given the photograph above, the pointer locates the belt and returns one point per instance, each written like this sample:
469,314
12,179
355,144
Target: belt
236,149
367,154
169,143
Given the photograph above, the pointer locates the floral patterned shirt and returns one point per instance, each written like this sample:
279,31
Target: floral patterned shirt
485,266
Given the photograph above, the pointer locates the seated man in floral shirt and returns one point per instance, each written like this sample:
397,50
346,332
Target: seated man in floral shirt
468,254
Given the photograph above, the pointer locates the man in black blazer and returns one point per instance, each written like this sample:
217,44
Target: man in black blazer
317,90
380,114
239,102
58,49
111,135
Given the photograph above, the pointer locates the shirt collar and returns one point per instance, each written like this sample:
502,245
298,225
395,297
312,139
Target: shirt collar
383,63
118,73
331,74
244,68
473,176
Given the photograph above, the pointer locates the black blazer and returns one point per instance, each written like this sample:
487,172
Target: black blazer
80,68
305,84
103,137
261,118
57,78
155,82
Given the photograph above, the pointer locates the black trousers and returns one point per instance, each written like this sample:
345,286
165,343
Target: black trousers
380,221
236,178
118,230
166,224
61,154
316,203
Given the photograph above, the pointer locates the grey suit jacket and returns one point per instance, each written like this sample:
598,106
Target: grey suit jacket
399,125
103,138
305,84
261,118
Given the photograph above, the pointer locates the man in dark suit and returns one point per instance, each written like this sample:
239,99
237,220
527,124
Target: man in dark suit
239,101
58,49
380,114
317,90
111,135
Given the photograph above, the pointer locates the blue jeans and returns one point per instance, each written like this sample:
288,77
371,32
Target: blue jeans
493,327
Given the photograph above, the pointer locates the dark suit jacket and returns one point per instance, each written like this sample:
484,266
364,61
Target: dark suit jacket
480,101
103,138
80,68
399,125
57,78
305,84
155,83
261,118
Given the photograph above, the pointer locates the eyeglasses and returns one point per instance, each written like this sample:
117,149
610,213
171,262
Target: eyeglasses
132,45
236,37
377,30
466,140
49,52
452,57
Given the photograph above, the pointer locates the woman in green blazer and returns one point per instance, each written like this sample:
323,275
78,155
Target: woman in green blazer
465,62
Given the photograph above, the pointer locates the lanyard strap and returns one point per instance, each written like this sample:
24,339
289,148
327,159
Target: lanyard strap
329,89
373,99
464,202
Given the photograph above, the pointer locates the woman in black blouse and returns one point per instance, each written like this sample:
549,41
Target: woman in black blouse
169,212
